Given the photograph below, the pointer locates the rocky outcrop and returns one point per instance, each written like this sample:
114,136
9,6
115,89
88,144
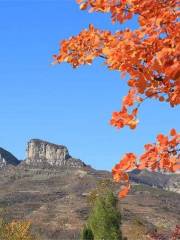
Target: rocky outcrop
42,152
6,158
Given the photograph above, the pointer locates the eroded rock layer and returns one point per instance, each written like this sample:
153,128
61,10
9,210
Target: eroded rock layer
42,152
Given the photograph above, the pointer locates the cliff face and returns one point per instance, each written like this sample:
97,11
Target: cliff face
6,158
42,152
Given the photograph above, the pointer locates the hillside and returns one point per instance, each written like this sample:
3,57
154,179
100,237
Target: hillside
6,158
54,198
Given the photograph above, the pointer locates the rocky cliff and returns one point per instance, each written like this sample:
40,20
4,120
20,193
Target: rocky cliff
42,152
6,158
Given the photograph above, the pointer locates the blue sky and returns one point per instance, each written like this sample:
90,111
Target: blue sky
60,104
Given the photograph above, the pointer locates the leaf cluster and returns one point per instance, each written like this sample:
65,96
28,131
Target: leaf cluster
150,57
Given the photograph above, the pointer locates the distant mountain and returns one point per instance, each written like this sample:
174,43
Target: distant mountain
169,182
6,158
51,189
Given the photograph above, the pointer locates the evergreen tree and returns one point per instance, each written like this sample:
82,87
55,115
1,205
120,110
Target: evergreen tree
105,219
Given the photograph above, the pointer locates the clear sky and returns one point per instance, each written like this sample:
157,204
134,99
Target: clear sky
60,104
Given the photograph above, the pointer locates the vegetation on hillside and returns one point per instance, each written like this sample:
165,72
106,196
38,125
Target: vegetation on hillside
104,220
16,230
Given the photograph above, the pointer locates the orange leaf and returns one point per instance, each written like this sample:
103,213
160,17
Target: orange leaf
83,6
123,193
132,124
161,99
106,51
173,132
176,167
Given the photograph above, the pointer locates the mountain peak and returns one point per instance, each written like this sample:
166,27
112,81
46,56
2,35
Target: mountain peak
44,152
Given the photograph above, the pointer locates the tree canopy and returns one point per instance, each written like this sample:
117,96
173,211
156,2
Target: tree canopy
105,219
149,56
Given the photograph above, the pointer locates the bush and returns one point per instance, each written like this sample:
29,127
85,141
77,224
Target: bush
16,230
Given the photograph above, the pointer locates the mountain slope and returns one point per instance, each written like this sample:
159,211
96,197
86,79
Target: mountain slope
7,158
55,198
169,182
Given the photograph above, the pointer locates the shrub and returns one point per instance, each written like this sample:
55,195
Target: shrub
16,230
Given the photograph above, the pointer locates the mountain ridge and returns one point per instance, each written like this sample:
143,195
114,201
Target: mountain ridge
7,158
42,153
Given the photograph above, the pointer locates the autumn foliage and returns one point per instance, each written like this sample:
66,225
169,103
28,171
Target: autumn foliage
162,155
16,230
149,56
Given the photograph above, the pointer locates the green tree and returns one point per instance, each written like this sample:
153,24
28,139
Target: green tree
105,218
103,186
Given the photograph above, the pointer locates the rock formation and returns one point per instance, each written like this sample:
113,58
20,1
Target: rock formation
6,158
42,152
